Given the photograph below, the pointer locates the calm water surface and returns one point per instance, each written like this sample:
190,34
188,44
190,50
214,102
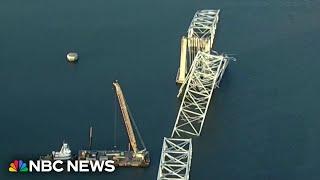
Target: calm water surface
263,123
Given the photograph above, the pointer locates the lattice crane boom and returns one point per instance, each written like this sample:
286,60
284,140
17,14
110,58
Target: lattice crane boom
126,116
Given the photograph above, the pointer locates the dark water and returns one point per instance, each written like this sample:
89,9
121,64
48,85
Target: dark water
263,122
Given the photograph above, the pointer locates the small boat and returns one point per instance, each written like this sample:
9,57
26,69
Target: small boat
64,154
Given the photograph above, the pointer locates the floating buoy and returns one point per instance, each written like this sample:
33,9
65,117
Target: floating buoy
72,57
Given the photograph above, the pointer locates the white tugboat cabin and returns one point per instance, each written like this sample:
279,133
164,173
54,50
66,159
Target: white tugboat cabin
63,154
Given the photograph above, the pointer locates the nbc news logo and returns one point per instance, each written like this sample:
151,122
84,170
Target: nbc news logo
61,166
18,166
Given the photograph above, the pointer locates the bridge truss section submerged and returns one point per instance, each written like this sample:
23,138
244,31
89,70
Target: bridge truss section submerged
204,75
200,72
175,159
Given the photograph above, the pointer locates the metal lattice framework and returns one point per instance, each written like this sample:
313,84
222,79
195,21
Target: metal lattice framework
203,24
203,77
205,73
175,159
201,32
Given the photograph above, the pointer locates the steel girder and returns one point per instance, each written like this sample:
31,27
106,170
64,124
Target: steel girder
201,32
203,24
205,73
175,159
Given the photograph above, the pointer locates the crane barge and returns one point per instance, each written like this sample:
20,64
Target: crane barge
133,157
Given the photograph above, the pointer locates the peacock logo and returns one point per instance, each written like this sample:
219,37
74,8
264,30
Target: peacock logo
18,166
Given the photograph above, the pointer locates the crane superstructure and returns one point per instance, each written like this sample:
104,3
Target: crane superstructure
126,116
134,157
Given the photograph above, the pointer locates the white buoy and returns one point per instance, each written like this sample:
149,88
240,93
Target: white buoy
72,57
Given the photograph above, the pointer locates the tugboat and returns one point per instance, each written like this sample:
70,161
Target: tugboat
64,154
